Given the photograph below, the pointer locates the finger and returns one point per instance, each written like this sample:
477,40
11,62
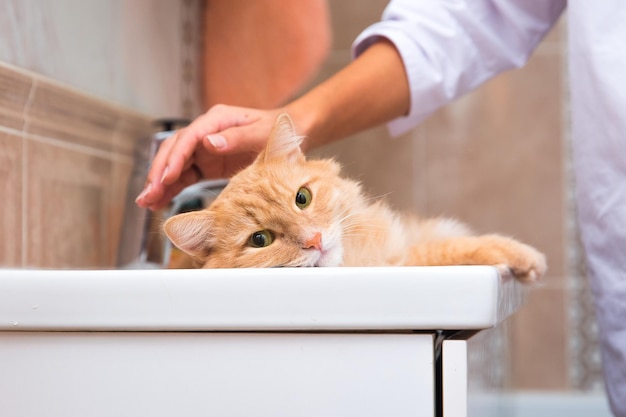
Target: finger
187,140
152,189
174,157
178,152
158,163
239,139
179,155
187,178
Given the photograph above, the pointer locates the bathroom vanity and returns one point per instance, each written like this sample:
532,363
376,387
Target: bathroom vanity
247,343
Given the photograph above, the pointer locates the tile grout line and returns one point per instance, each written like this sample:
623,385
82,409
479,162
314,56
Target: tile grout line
112,156
69,146
42,79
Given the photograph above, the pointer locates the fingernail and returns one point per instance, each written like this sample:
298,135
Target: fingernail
217,141
144,192
165,171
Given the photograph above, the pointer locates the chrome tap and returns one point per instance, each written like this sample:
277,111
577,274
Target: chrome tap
142,244
194,197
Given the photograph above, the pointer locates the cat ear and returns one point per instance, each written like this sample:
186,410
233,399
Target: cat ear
190,232
283,142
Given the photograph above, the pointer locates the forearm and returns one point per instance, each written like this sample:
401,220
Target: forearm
370,91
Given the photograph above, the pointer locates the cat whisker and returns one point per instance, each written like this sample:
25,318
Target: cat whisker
360,232
379,197
362,229
346,227
348,221
355,235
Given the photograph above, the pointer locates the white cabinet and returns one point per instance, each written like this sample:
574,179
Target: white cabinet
215,374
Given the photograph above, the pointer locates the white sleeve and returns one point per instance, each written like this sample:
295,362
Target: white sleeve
449,47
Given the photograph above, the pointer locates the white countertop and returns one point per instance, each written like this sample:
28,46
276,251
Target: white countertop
282,299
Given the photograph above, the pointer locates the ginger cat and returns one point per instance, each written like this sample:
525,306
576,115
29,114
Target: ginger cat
287,211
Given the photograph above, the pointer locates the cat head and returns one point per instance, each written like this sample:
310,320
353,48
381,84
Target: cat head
282,210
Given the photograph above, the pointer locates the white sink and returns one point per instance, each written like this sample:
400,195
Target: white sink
312,342
401,298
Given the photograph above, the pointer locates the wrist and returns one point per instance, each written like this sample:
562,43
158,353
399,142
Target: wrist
308,120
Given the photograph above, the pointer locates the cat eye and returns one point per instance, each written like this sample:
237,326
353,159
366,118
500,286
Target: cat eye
303,198
261,239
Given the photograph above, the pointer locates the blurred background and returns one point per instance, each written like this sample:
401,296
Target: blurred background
82,80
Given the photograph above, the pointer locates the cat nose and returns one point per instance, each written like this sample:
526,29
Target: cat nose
314,243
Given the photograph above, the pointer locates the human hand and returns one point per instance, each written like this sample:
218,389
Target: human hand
215,145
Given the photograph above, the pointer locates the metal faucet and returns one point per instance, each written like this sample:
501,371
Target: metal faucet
193,197
142,244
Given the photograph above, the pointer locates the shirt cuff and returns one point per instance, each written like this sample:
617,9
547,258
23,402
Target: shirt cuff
412,59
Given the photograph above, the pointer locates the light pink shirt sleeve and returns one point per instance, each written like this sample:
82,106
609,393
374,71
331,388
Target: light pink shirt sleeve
449,47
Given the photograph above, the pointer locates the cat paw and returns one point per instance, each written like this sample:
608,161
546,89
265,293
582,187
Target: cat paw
526,265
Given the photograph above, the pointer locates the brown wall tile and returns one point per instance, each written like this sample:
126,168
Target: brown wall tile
69,223
11,192
14,93
76,153
131,130
385,166
539,342
58,112
350,17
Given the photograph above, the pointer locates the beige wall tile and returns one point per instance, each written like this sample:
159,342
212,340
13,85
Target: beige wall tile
539,342
131,130
58,112
385,166
350,17
11,192
15,88
76,153
69,218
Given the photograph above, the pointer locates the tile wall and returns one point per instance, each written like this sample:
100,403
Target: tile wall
80,84
498,160
65,158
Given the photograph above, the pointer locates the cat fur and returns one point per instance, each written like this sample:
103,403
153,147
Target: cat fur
340,227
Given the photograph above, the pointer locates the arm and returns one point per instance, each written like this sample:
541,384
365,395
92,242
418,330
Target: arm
420,57
371,90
